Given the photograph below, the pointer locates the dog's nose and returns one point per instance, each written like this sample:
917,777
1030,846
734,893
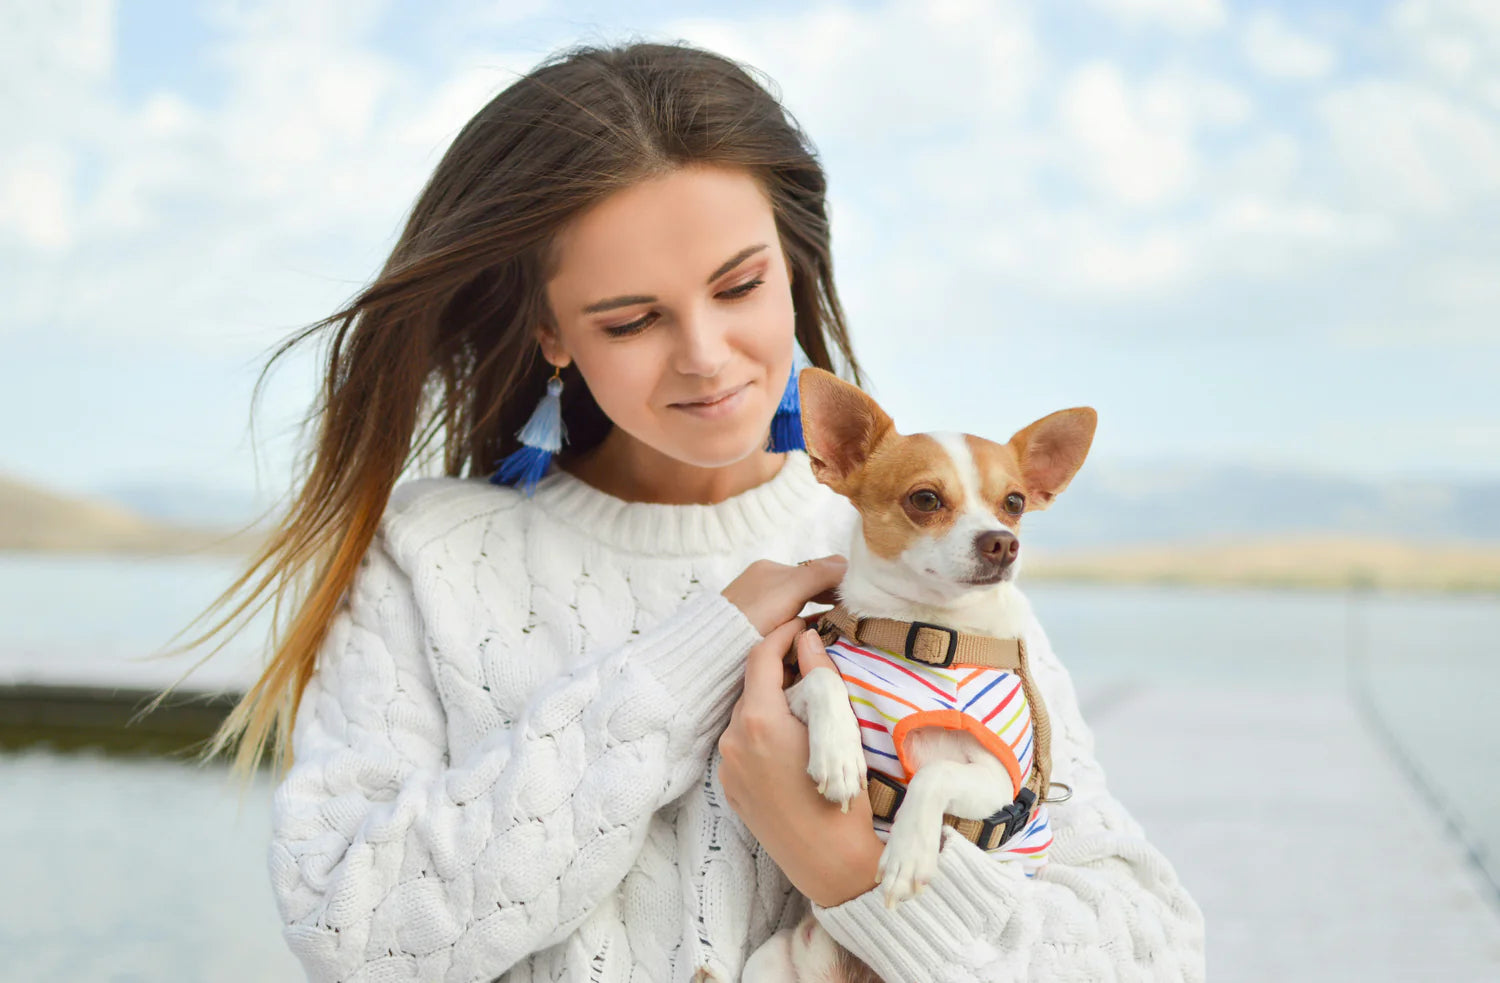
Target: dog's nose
999,546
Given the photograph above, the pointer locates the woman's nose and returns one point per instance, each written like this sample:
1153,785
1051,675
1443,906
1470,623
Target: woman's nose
702,346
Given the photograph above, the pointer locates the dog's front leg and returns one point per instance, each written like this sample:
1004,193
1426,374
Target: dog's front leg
836,756
974,788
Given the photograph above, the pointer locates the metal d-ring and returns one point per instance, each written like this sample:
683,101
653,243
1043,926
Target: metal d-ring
1052,785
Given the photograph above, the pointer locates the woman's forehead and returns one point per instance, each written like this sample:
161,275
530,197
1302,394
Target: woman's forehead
677,228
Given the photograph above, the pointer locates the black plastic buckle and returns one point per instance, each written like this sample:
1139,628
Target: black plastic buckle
1012,818
911,641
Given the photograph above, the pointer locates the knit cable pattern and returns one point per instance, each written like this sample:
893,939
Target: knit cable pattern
504,767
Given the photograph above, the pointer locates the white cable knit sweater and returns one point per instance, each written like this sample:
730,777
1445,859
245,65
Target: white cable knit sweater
505,767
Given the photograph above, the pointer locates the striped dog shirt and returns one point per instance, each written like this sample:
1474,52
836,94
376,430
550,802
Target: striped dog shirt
891,695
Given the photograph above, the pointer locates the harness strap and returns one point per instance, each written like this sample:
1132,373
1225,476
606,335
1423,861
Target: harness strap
990,833
929,644
941,646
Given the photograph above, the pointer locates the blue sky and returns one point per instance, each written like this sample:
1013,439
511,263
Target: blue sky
1260,232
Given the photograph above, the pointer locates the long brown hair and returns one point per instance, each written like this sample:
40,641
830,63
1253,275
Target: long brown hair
443,341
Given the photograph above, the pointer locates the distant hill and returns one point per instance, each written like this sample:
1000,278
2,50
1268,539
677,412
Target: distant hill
1136,524
180,504
39,520
1302,561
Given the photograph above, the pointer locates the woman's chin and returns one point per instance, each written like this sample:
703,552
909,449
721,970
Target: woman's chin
720,450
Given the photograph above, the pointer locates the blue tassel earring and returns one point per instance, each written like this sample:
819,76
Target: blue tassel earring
541,437
786,425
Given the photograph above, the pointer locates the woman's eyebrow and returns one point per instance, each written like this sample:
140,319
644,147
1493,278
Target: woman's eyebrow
628,299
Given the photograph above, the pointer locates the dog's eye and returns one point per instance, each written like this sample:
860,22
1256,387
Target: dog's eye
925,501
1015,503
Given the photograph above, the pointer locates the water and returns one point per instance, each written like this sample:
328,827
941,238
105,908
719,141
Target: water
130,869
134,870
96,619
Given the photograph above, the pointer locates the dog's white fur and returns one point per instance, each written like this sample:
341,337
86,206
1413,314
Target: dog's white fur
953,772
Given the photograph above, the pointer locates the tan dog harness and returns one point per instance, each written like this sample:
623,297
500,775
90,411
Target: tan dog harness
940,647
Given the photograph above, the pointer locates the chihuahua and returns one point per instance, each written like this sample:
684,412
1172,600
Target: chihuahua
936,544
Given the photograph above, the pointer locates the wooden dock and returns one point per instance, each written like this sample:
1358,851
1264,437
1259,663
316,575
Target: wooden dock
72,717
1311,853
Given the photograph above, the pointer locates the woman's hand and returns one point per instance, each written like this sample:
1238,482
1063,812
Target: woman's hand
827,854
769,592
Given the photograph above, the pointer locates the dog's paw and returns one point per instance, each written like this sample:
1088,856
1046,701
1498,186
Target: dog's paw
836,756
836,762
908,862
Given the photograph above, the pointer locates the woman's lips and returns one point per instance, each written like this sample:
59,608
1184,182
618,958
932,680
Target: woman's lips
722,407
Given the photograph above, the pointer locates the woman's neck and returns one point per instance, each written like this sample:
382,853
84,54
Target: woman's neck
629,470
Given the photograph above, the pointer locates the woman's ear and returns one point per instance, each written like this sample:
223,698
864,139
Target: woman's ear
552,349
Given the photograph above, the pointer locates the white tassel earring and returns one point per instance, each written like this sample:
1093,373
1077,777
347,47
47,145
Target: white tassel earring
541,437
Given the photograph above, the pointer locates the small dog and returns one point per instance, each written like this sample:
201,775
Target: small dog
936,544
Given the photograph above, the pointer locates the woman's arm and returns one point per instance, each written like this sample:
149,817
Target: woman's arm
389,860
1107,906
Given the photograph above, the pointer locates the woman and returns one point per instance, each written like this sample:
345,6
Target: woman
503,703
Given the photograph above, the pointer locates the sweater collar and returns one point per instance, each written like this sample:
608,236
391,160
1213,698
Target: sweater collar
738,522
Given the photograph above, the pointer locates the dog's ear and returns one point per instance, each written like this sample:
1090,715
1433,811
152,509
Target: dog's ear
1051,451
841,425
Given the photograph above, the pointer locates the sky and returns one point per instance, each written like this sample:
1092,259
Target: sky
1263,233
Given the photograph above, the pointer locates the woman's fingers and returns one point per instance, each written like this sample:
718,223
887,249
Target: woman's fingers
811,654
763,663
822,574
768,592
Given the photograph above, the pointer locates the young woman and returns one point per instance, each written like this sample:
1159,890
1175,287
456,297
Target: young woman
536,730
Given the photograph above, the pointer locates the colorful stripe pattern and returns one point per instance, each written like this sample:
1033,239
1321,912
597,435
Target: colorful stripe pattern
891,695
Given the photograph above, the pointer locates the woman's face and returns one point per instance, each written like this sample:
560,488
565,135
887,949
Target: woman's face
671,291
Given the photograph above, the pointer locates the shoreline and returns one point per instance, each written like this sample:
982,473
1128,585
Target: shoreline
1315,564
71,717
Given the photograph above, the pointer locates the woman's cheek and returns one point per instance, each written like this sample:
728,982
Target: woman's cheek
626,386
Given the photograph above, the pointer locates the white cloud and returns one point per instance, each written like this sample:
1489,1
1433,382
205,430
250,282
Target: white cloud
1443,300
905,69
36,202
1281,239
1405,147
1138,144
1155,259
61,55
984,172
1186,16
223,226
1116,143
1458,39
955,118
1270,163
1280,52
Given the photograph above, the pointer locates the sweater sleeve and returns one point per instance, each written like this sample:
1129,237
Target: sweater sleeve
1107,905
390,861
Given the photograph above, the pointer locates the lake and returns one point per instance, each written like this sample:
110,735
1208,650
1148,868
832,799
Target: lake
145,869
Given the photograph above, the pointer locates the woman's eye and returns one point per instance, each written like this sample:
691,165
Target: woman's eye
733,293
622,330
742,289
1015,503
926,501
